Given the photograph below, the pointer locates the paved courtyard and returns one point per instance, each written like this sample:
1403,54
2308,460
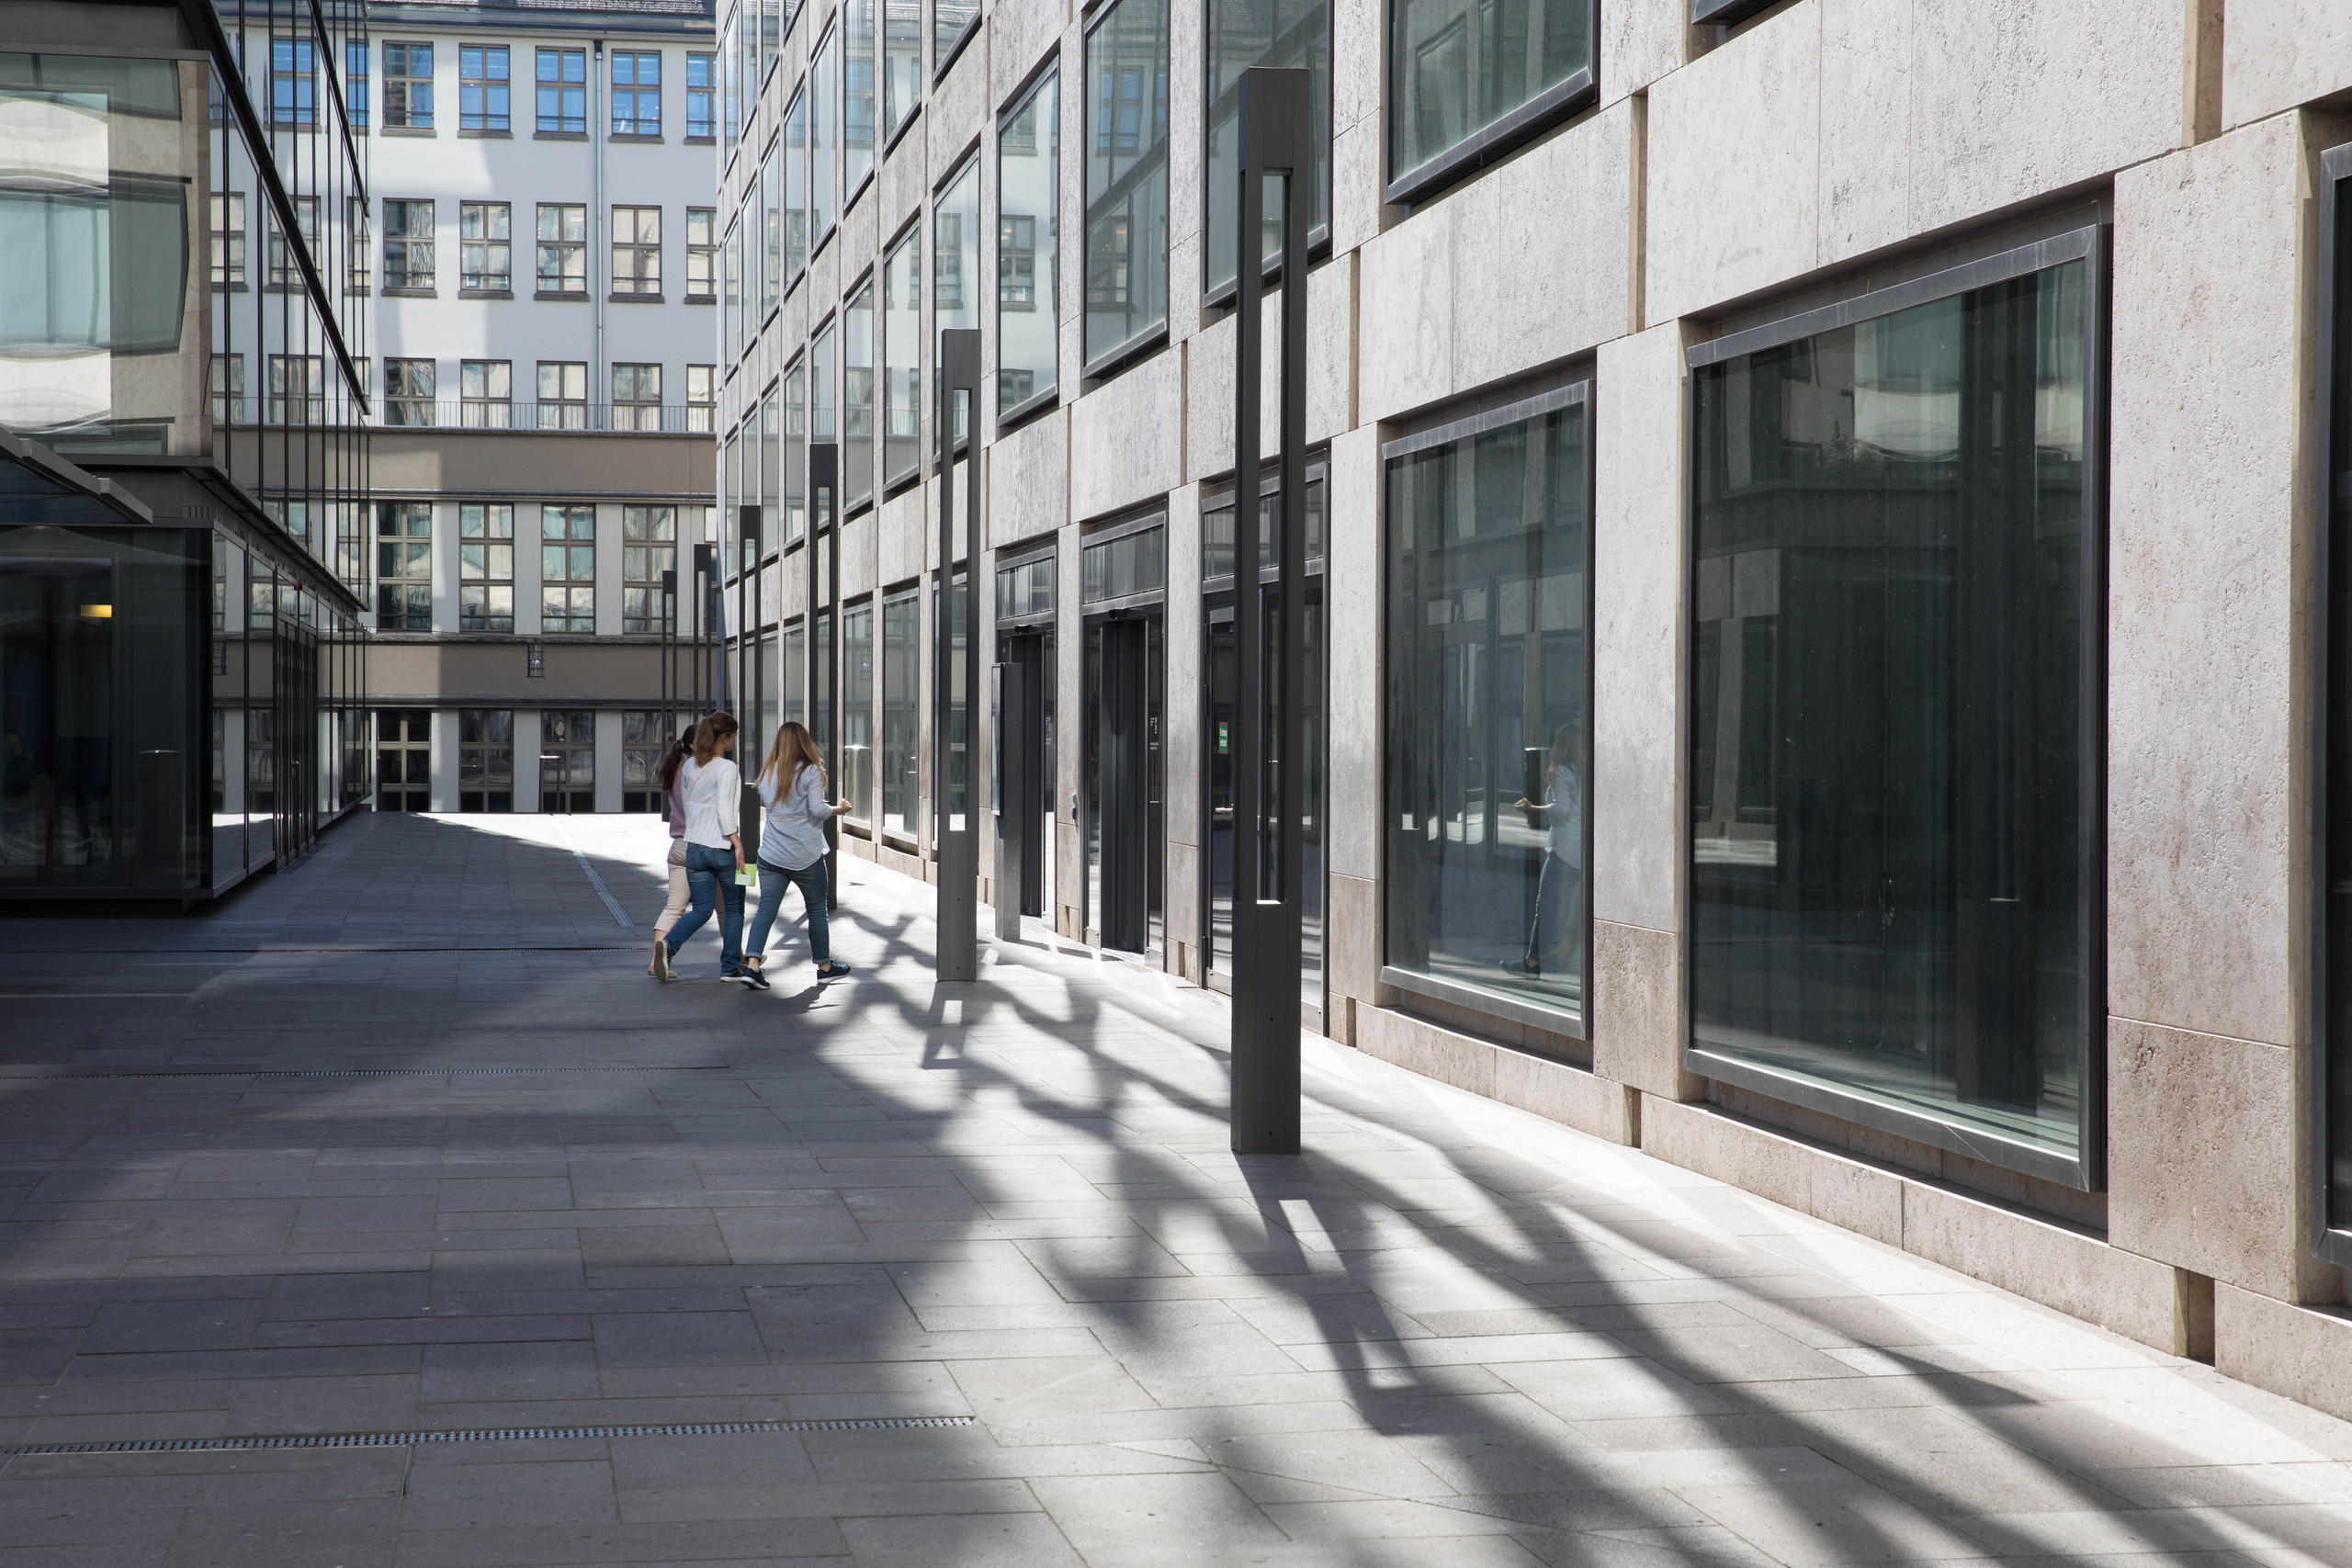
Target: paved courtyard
406,1140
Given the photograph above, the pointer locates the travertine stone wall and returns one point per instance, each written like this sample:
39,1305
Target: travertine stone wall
1732,177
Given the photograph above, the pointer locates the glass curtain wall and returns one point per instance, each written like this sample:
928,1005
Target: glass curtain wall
1488,556
1028,233
901,713
795,452
1463,76
770,244
902,357
796,215
1243,33
1890,876
1127,178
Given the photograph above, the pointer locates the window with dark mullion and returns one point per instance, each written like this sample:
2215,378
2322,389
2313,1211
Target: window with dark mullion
1127,176
1460,68
562,92
637,92
485,92
1243,33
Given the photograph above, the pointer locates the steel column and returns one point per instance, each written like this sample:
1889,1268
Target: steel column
959,848
1266,925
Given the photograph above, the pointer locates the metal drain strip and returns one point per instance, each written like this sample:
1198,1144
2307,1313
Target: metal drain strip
339,1072
477,1434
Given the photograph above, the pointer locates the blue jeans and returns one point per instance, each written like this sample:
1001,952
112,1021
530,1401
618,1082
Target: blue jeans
810,880
710,874
1560,892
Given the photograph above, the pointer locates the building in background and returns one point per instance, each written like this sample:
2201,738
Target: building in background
1820,580
181,606
538,262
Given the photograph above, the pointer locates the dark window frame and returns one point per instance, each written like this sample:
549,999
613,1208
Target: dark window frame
1491,143
1142,343
2085,1170
1578,392
1319,236
2330,1242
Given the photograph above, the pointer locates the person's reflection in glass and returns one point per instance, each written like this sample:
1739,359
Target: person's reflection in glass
1559,885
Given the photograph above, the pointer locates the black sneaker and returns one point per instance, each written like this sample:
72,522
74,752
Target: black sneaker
755,977
832,971
740,976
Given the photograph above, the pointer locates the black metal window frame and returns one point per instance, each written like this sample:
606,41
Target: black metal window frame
1142,520
1219,493
1726,13
1319,238
2330,1242
1014,559
1506,135
1018,103
1142,344
2085,1170
1430,988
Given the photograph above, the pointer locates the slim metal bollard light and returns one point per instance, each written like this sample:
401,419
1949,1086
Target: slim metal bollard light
824,501
1266,927
959,847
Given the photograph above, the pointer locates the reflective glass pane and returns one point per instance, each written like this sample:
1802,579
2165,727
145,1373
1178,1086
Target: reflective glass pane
1127,176
1458,66
1243,33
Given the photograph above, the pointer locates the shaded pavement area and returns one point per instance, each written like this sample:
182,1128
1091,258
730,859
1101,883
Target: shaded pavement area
406,1139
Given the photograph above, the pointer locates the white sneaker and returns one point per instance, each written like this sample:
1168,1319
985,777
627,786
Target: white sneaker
660,969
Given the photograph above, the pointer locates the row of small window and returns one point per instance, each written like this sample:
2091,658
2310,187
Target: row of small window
298,393
486,565
800,403
485,88
486,758
485,247
1469,78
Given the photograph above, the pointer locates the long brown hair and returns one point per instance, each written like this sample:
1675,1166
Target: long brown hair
710,732
675,758
794,749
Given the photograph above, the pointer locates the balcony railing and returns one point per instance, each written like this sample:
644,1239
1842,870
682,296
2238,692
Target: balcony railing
403,414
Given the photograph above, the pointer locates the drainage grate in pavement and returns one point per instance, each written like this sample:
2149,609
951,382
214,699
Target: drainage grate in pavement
6,1077
476,1435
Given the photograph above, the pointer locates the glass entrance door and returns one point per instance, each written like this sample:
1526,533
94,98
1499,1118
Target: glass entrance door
1125,826
1031,733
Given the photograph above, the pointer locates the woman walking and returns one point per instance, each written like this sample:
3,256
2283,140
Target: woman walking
713,791
1559,885
792,849
674,811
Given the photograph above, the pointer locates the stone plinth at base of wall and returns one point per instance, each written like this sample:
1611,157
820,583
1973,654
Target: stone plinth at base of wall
2069,1270
1557,1090
2302,1353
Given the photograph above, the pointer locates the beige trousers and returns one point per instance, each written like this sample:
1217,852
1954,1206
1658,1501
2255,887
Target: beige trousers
679,898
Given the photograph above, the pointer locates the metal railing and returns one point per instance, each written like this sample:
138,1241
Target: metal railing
405,413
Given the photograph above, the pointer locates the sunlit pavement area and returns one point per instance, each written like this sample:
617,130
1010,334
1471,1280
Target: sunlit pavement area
406,1140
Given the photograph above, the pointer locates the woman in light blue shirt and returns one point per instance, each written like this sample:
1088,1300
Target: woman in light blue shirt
792,849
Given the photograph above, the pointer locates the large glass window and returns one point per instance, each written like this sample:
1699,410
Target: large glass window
636,251
563,248
354,82
770,244
409,388
404,760
649,548
404,566
701,258
408,244
485,567
730,266
408,85
950,20
1464,75
485,88
901,713
1889,873
568,569
857,712
857,397
1488,546
2333,915
1243,33
637,92
956,262
857,95
1028,225
731,65
796,226
902,63
902,358
485,247
563,92
1126,177
486,393
824,140
700,118
485,759
293,82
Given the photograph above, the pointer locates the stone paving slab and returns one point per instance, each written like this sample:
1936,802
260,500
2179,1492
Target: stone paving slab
364,1184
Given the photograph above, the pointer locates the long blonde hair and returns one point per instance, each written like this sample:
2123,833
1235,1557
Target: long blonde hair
710,732
796,749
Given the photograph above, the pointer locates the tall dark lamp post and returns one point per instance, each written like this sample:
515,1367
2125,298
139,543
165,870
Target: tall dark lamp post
957,691
1269,734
